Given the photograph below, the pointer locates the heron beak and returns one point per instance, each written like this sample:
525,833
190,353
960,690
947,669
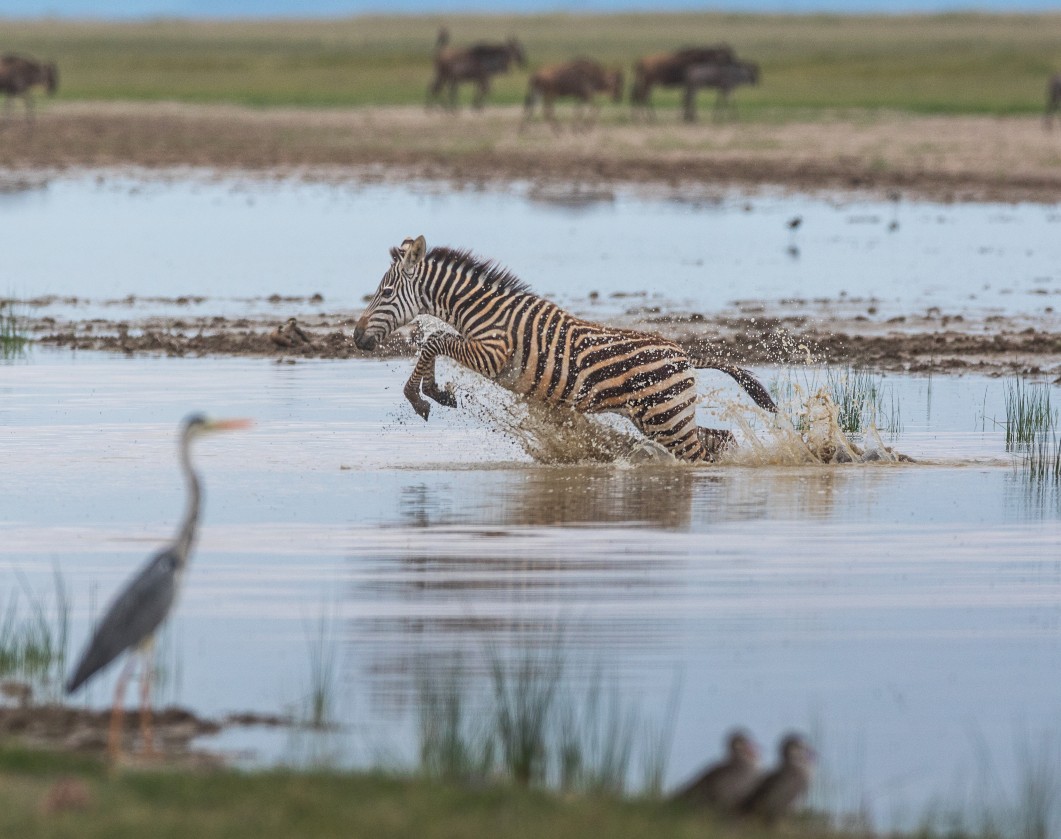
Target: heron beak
230,424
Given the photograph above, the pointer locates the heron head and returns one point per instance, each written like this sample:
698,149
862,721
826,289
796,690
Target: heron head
197,424
397,299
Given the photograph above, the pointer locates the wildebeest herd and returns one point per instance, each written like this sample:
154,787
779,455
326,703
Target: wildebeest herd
689,68
583,78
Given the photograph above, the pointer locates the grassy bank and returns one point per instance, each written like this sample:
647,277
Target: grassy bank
957,63
45,795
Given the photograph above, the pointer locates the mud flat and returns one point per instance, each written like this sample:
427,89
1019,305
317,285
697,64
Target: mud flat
948,158
929,343
83,730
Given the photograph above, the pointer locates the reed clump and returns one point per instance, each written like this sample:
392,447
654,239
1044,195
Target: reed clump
534,727
13,339
858,394
34,638
1033,430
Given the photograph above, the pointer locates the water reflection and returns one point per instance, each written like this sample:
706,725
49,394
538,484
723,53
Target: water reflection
569,495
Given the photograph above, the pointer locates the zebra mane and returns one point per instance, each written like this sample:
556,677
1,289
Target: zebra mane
488,272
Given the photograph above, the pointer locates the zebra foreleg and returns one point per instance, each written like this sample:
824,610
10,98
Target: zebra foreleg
484,357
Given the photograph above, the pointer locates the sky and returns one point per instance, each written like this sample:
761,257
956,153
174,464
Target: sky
132,9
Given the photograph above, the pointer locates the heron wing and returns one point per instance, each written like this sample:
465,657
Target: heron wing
132,617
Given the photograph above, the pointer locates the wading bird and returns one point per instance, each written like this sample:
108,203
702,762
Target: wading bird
137,612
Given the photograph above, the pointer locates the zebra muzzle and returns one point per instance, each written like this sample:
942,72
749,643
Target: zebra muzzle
363,341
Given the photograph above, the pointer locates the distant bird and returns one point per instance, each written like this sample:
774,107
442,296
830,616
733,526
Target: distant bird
137,612
289,334
723,785
794,222
775,795
895,197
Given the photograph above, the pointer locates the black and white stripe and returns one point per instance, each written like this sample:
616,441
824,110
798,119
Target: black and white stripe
533,347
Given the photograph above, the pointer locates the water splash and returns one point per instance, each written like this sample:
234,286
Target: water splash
556,436
804,431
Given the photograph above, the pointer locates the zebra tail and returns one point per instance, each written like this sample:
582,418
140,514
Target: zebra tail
745,379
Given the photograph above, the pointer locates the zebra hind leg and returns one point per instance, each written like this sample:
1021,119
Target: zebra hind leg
714,441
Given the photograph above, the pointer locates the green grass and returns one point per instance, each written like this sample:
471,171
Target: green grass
13,339
260,805
858,395
319,710
951,63
34,638
859,398
537,726
1033,431
1029,414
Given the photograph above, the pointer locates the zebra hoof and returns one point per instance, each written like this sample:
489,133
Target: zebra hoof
422,407
443,396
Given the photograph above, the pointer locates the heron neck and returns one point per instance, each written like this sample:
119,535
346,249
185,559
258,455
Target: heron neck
186,534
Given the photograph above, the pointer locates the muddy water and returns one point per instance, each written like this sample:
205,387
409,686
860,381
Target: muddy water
234,240
903,613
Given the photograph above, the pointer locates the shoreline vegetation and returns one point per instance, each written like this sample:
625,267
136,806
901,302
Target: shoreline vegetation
946,106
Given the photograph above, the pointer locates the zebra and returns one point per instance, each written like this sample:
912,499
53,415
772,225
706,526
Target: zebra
532,347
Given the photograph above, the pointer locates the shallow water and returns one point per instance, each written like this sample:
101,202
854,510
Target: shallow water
236,240
900,612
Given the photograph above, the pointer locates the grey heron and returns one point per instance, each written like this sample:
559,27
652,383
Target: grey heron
779,790
136,613
723,785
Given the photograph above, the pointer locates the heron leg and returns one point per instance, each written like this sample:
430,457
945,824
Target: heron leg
147,673
114,736
147,733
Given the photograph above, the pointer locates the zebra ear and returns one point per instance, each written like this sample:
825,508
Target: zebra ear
415,251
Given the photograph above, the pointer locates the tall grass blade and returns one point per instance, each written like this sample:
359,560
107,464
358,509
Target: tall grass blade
13,339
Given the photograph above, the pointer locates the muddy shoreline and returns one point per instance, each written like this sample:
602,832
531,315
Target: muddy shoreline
960,158
928,343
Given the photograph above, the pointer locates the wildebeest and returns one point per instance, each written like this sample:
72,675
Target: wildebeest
476,63
581,78
19,75
1053,99
668,70
723,77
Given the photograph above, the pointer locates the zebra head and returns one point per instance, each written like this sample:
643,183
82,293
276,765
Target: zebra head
397,300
